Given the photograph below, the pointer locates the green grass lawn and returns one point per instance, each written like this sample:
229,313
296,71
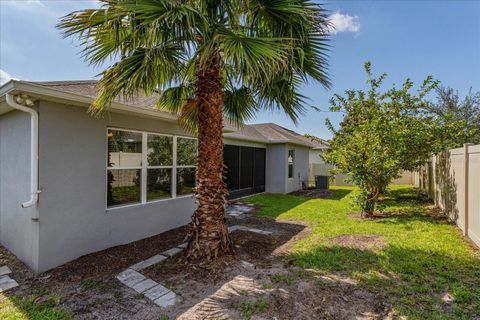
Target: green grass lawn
422,259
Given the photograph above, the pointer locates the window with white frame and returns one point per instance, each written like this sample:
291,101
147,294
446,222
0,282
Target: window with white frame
290,163
144,167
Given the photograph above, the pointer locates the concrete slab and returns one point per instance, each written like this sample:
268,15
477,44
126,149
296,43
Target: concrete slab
5,270
167,300
130,277
156,292
172,252
149,262
7,283
144,285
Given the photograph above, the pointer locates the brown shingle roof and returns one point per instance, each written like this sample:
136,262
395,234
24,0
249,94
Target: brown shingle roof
272,131
88,88
267,132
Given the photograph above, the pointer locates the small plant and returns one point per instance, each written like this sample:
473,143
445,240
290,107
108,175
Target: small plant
285,278
462,295
249,308
43,291
118,294
267,286
243,292
91,284
163,317
140,296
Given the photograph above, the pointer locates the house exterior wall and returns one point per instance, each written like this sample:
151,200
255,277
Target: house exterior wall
18,232
276,168
277,180
300,168
315,156
74,220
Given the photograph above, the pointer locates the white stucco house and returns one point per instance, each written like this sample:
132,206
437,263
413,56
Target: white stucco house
72,184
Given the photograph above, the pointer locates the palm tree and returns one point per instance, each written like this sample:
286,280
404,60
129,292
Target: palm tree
208,59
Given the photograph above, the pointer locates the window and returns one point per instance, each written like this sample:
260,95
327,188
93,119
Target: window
159,166
186,162
144,167
124,164
290,163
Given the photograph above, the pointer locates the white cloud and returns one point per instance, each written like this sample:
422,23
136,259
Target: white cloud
24,3
5,77
343,23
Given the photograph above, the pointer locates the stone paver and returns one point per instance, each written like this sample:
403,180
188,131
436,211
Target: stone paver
144,285
183,245
5,270
130,277
7,283
152,290
149,262
236,210
156,292
167,300
244,228
171,252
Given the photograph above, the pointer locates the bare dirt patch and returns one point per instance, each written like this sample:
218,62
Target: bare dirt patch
313,193
361,242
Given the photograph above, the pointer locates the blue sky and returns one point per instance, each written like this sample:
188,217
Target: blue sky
402,38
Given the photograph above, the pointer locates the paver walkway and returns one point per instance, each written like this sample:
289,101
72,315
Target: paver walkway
6,282
160,295
156,292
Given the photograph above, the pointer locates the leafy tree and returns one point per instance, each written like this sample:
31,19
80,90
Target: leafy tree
381,134
464,114
204,55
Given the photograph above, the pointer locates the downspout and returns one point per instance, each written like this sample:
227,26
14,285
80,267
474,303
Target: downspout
24,104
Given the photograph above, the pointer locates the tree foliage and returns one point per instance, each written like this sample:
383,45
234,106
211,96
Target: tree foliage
381,134
452,111
268,50
202,56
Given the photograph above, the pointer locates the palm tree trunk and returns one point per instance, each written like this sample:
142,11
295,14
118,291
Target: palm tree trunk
208,230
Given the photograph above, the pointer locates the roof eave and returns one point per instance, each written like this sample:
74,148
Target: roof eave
49,94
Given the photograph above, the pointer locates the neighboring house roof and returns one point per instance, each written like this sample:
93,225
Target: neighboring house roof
85,91
273,133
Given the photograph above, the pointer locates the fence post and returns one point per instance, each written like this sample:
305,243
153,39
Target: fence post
466,167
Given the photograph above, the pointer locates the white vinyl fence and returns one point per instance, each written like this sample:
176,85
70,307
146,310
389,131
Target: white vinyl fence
452,180
323,169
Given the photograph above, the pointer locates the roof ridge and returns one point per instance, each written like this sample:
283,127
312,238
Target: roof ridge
63,82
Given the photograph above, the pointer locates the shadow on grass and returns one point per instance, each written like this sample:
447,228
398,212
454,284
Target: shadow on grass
340,193
413,281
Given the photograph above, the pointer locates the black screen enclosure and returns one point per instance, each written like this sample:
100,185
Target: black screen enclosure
245,170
